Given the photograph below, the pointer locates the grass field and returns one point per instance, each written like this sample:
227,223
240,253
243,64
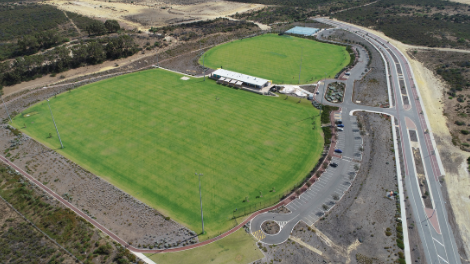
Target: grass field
277,58
149,132
238,247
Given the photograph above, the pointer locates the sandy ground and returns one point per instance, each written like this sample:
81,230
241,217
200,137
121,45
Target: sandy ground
467,2
454,160
144,15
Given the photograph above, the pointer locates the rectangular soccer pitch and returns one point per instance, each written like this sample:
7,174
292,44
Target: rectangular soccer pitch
149,132
278,58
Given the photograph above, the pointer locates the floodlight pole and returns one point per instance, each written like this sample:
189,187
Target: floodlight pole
200,200
57,130
6,109
301,63
323,95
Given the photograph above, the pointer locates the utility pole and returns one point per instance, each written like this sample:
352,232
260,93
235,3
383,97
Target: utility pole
301,56
57,130
200,200
6,109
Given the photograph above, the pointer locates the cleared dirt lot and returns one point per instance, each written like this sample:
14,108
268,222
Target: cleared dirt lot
143,15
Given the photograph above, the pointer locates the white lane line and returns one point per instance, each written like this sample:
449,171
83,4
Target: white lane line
442,258
438,242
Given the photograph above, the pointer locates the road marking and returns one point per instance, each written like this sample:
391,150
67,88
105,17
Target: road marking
438,242
442,258
282,224
259,235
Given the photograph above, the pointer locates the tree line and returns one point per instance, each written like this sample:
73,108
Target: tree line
63,58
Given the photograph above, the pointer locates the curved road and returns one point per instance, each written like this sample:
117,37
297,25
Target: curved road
409,118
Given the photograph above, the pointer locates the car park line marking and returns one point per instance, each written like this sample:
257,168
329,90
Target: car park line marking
294,206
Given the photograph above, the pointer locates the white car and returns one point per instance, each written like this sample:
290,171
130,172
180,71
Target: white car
340,129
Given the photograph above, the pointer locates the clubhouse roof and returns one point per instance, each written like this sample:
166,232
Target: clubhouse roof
240,77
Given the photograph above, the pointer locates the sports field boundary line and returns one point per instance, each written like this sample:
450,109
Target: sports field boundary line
286,200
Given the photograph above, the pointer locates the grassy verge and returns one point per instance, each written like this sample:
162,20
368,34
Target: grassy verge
238,247
150,131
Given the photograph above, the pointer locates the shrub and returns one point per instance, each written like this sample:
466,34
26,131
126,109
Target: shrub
400,243
465,132
459,123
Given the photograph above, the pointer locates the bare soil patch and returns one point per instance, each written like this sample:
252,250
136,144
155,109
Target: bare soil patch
143,15
456,108
127,217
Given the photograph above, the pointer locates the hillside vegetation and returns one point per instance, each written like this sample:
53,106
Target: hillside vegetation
21,243
433,23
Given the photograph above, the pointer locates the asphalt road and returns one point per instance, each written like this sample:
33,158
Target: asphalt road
433,227
438,240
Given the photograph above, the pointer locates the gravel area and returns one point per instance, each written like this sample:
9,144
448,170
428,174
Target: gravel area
127,217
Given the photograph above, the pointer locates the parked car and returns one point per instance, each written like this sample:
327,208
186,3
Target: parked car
340,129
338,151
340,125
339,122
333,164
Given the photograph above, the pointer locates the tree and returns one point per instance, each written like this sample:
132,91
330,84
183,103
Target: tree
28,43
112,26
95,52
96,28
